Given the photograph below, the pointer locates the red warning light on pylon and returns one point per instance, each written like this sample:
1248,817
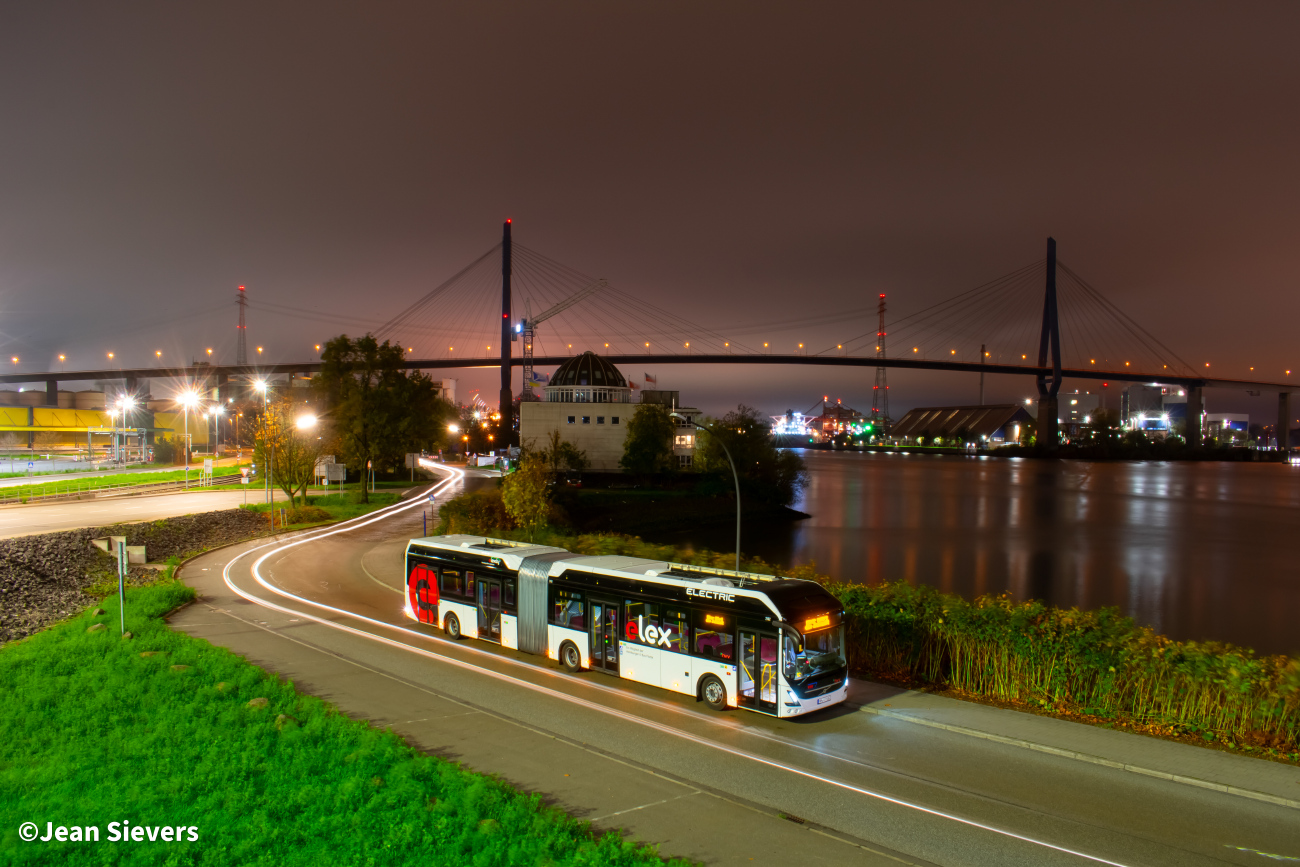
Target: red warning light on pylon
241,288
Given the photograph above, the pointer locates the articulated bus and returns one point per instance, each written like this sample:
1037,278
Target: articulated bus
730,639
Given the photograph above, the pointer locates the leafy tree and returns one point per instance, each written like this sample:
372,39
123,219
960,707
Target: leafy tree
379,412
562,455
767,474
164,450
293,452
648,446
526,493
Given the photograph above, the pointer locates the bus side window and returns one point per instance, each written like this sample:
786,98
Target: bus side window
469,586
677,625
713,638
451,583
510,592
566,610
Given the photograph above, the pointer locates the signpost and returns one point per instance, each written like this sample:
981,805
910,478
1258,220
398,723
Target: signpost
243,480
121,580
205,478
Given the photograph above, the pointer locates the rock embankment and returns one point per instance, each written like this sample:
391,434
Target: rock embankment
49,577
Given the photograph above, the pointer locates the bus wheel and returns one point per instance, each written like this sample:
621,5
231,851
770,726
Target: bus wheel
452,627
713,693
570,657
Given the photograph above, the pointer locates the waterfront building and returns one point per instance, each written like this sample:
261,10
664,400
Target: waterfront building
589,401
992,425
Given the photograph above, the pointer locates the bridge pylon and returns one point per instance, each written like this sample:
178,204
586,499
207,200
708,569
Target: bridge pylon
1049,341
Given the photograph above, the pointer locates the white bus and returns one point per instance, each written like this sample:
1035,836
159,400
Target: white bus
731,639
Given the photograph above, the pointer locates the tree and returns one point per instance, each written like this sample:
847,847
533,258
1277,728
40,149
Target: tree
767,474
293,451
379,412
648,447
562,455
526,493
164,450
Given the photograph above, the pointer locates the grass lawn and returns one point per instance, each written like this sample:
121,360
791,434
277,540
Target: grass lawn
115,480
94,732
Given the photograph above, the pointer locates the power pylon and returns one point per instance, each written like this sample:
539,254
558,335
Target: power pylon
880,392
241,356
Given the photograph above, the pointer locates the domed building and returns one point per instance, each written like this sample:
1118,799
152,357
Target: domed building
588,378
589,401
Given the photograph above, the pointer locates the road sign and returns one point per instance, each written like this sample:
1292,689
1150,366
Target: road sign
243,471
243,480
336,472
31,465
207,465
433,498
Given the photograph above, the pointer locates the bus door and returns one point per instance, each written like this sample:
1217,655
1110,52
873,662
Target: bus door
489,608
605,635
756,673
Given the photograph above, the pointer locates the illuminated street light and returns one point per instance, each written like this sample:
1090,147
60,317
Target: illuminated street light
259,350
305,422
453,428
63,358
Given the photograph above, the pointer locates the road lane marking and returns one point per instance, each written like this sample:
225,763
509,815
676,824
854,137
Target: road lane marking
389,511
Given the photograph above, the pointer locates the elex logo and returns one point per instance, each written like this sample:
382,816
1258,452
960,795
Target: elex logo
655,636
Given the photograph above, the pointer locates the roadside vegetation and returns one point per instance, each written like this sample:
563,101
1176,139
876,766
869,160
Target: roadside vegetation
324,509
116,480
168,729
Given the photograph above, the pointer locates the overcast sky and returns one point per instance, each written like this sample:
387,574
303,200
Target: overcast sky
739,164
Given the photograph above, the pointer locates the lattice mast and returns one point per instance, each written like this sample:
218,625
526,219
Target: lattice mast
241,355
880,392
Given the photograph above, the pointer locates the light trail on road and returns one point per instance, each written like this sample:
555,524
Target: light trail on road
456,475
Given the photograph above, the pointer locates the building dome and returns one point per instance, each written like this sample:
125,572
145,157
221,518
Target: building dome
588,369
588,378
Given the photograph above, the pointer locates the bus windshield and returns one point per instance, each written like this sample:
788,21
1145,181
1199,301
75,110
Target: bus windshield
822,651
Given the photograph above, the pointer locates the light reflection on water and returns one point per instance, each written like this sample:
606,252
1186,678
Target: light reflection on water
1200,551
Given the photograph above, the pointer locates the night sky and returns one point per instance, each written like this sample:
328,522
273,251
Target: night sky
740,164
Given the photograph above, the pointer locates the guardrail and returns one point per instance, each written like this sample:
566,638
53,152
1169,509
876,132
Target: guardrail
86,491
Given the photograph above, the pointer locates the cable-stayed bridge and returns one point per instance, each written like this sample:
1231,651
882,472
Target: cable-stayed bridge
513,306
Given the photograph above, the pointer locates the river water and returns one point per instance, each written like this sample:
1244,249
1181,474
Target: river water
1202,551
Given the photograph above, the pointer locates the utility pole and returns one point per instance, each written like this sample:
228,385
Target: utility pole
241,355
507,397
880,391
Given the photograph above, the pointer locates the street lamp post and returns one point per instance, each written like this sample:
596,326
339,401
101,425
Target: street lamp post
260,385
734,475
188,399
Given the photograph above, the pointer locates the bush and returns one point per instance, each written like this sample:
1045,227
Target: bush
477,514
308,515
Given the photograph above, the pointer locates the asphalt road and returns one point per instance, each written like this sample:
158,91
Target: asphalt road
73,514
868,789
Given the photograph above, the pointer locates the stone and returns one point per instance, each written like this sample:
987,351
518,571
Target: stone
257,703
284,721
126,636
180,668
98,627
149,653
98,612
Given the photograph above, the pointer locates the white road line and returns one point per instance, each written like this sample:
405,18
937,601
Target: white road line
389,511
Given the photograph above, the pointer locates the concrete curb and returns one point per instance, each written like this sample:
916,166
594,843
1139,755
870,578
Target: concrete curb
1089,758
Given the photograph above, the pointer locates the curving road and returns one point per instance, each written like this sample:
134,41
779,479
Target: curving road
839,787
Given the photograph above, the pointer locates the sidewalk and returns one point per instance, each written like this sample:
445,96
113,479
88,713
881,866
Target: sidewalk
1259,779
